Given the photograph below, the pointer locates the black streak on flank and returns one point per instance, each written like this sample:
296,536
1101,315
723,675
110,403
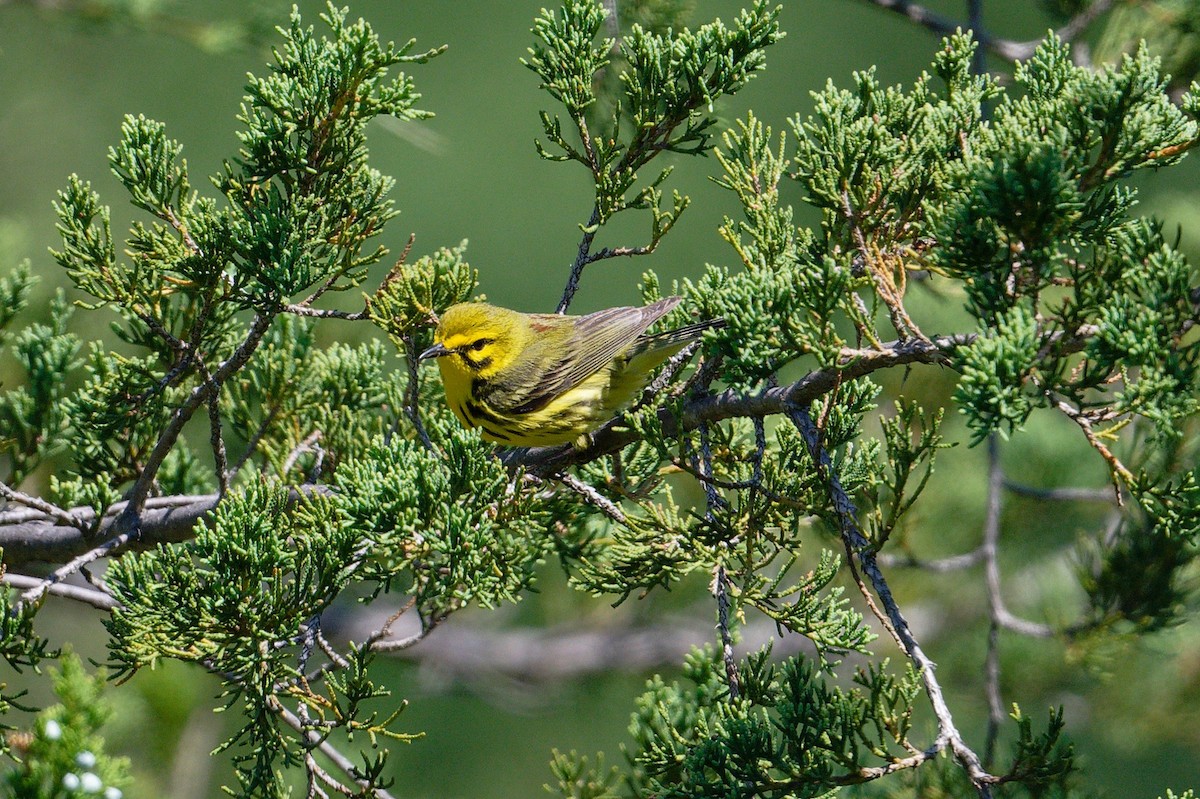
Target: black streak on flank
496,434
480,413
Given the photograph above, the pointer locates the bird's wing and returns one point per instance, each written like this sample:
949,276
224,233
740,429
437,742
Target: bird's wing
596,339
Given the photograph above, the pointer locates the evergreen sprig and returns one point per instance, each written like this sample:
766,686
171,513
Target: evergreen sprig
63,755
670,81
754,471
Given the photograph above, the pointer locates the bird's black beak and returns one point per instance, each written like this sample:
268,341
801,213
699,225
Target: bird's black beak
436,351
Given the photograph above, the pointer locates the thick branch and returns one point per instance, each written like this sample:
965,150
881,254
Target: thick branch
26,536
475,655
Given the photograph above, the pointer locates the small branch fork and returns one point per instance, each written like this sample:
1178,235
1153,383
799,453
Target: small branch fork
88,596
49,510
858,544
321,744
1004,48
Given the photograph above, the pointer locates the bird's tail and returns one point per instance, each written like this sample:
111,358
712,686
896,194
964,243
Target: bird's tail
681,335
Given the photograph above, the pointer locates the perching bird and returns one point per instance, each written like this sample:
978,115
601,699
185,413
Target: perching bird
536,380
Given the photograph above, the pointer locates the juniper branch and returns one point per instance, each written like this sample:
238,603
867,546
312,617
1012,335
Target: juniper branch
31,536
1008,49
129,520
865,554
89,596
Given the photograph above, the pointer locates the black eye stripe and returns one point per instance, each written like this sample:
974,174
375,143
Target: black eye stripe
482,363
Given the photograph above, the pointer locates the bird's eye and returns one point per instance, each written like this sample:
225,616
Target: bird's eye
479,344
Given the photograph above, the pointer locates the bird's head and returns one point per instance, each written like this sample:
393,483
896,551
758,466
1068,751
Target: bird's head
478,338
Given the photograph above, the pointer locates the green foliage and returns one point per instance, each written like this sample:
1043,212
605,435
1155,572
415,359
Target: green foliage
1166,28
20,648
789,734
31,415
233,600
911,440
445,526
670,81
301,207
409,297
1140,582
332,476
262,563
782,305
14,293
994,368
1042,762
308,409
62,756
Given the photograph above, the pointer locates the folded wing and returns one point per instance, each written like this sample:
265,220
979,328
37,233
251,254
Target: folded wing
595,341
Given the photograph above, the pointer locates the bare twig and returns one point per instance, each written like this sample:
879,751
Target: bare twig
991,537
947,564
1001,616
1120,473
318,741
581,258
34,594
1063,494
975,21
412,392
721,592
883,281
884,621
44,507
721,585
80,593
379,643
255,439
919,14
306,445
865,554
217,441
1007,49
129,518
991,669
673,366
593,497
1079,23
325,313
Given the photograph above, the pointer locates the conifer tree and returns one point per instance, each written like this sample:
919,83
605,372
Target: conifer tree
238,479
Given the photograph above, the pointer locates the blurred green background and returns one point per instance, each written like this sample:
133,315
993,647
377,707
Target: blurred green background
66,80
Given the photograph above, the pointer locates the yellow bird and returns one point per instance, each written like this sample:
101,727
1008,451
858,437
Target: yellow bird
537,380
